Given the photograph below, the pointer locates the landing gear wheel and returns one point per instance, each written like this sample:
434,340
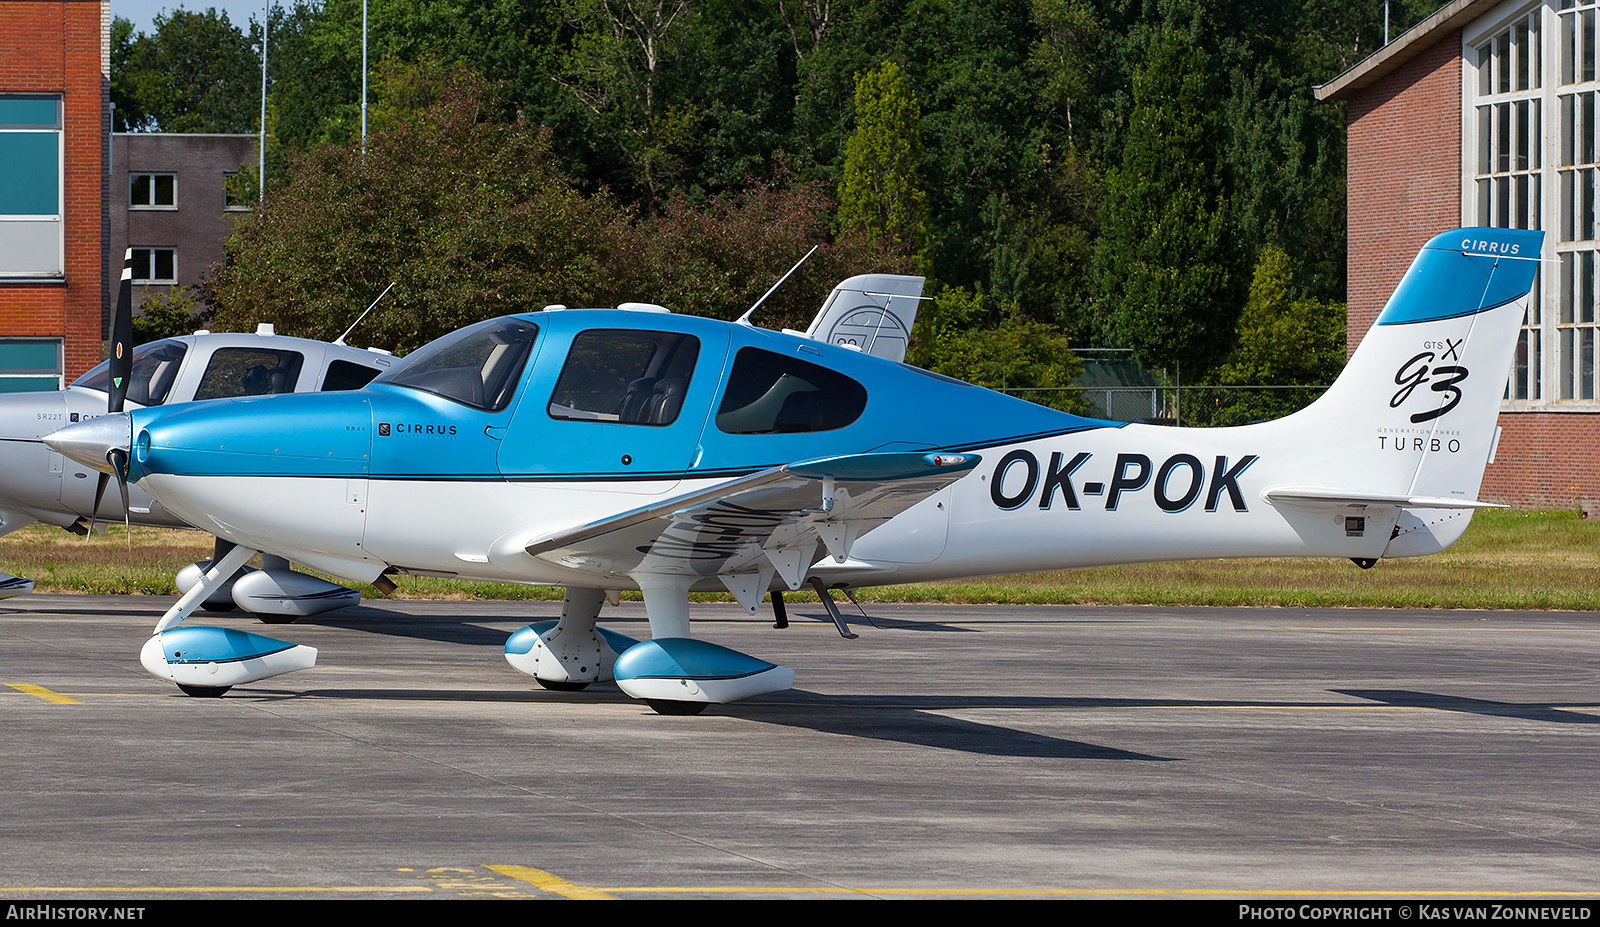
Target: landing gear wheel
276,619
666,706
562,686
219,607
203,691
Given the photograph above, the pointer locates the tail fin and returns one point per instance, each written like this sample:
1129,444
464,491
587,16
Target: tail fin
1411,419
871,311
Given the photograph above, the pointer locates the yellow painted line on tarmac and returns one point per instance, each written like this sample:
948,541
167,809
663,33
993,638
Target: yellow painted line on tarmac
1087,892
46,694
552,883
130,890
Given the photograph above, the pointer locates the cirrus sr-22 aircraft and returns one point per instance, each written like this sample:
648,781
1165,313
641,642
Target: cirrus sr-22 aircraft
613,449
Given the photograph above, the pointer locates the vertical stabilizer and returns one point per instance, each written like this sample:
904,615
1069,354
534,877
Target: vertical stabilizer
873,312
1412,417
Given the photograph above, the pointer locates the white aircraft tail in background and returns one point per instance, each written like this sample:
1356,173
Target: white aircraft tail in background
870,312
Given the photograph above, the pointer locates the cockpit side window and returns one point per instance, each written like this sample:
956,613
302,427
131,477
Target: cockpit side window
249,372
626,376
478,366
155,368
770,393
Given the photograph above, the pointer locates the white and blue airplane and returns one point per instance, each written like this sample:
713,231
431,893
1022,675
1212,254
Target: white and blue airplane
612,449
38,485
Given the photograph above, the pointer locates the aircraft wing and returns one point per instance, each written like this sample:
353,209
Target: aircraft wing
772,521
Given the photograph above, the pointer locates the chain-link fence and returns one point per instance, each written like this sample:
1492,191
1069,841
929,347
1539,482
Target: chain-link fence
1197,406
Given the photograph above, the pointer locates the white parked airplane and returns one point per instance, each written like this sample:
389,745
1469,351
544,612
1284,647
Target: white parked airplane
603,450
38,485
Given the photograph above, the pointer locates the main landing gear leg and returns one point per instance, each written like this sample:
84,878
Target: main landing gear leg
569,654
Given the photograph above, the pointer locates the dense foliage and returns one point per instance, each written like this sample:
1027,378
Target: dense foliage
1100,172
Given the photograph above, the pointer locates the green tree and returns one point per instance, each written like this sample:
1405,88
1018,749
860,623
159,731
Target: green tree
168,313
1165,260
473,218
470,218
963,335
881,195
197,73
622,57
1283,340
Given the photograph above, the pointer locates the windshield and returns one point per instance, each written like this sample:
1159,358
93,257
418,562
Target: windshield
478,366
155,367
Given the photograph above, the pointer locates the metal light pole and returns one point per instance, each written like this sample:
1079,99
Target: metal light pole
261,147
363,78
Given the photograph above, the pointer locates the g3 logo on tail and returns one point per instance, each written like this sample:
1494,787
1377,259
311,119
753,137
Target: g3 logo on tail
1415,372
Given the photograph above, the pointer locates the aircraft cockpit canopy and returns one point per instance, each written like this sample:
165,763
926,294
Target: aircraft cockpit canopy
155,368
478,366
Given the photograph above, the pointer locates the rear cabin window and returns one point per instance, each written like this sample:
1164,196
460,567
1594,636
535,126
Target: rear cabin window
249,372
343,375
772,393
625,376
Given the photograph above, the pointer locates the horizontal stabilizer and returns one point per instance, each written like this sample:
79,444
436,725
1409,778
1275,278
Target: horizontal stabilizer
1333,498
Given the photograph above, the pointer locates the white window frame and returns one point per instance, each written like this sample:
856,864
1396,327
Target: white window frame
1553,166
33,233
228,205
148,256
133,180
10,374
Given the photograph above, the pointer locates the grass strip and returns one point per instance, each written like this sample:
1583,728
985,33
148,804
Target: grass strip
1508,559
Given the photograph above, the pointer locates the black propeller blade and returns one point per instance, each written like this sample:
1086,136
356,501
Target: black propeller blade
121,370
122,338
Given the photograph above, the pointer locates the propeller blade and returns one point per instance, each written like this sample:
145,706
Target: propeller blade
118,458
122,339
99,493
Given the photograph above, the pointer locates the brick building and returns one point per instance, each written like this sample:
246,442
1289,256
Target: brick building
54,128
171,204
1486,114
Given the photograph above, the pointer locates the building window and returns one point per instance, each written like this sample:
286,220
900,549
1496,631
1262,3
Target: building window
155,265
1535,164
30,365
30,185
236,194
152,191
1577,101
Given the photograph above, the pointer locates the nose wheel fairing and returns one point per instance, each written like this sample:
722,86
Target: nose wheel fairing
213,658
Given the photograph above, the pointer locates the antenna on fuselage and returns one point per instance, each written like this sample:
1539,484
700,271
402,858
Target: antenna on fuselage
340,339
745,319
